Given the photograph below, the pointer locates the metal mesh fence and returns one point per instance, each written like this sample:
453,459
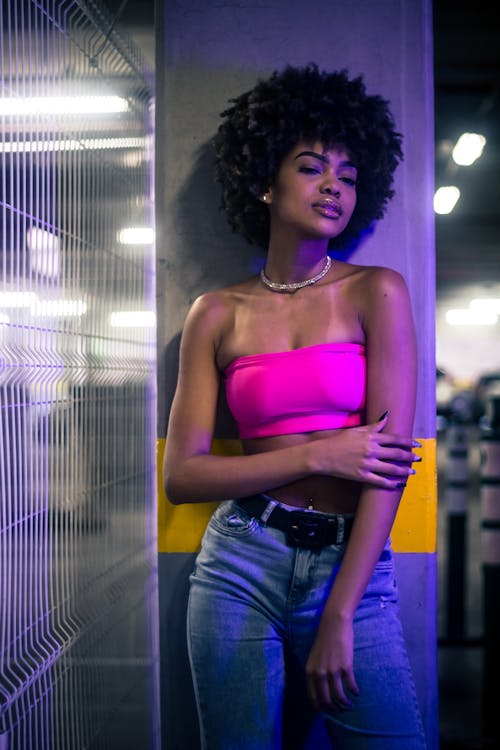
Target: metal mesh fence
78,590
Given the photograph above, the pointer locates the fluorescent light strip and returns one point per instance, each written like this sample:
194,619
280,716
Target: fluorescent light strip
45,308
59,308
487,304
62,105
133,319
468,317
136,236
71,145
14,300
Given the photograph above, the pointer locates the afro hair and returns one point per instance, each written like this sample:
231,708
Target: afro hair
297,105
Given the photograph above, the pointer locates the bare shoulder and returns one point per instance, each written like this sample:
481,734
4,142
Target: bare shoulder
207,317
378,279
210,305
375,285
386,307
212,313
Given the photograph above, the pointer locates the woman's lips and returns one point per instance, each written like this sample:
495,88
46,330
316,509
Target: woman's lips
329,208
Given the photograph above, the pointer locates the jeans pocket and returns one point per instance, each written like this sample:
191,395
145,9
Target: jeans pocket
231,520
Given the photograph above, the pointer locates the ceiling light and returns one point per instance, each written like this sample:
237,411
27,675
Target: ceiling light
62,105
133,319
469,317
59,308
17,299
136,236
488,304
468,148
445,199
44,251
71,144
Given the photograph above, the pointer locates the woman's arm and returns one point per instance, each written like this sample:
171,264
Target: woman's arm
391,384
191,473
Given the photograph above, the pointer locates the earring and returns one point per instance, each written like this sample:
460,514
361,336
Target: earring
264,198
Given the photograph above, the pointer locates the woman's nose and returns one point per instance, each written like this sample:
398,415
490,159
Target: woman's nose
330,186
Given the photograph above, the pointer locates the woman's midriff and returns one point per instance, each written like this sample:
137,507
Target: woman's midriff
325,494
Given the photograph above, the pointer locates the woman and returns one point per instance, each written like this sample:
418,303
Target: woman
292,616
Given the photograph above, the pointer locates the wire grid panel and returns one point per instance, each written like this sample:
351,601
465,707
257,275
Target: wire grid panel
78,642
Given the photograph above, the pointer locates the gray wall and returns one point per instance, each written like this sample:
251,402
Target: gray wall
206,53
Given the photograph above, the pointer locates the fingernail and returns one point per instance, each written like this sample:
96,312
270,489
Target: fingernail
383,416
413,471
401,484
416,444
417,458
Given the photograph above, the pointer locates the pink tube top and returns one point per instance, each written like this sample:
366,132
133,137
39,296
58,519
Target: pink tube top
320,387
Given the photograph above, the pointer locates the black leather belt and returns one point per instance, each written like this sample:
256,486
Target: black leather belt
303,528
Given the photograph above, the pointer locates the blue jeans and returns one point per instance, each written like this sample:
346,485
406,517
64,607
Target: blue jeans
254,608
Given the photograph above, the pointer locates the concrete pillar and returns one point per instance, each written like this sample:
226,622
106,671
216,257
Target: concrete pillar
207,52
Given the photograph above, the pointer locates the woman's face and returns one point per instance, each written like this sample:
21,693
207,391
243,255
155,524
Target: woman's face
314,192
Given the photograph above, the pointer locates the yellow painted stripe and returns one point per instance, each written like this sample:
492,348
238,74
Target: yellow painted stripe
415,527
180,527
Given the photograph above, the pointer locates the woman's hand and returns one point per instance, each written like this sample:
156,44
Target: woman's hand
365,454
329,668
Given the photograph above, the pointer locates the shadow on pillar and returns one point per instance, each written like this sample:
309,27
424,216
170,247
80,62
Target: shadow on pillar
179,726
211,255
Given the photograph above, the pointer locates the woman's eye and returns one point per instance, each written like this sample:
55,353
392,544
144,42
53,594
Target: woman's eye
349,181
309,170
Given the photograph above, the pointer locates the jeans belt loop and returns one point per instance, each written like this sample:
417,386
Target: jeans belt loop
340,529
268,510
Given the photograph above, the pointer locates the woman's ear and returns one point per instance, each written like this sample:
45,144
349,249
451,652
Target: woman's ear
267,197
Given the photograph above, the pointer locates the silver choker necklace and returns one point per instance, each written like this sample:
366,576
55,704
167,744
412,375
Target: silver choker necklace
294,285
